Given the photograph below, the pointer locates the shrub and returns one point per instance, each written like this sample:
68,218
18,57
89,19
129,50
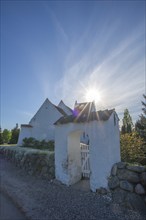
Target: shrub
36,144
132,148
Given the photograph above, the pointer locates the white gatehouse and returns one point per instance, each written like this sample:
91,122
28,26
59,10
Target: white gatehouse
94,158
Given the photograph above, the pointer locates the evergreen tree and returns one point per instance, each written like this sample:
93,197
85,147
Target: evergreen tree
6,136
127,123
140,125
15,134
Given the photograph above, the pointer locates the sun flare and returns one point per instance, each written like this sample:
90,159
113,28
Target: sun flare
93,95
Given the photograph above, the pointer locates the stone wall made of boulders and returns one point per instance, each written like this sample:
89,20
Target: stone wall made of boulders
34,162
128,185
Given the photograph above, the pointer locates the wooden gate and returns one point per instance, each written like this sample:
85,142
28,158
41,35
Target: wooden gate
85,160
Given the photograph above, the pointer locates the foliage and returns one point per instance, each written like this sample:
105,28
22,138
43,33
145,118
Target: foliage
6,136
127,123
1,136
140,125
33,143
15,134
132,148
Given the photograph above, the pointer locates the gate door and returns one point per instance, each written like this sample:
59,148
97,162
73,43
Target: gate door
85,160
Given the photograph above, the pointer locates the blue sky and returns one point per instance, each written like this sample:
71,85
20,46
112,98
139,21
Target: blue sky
61,49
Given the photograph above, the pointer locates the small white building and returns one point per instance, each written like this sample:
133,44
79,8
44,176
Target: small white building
73,159
41,126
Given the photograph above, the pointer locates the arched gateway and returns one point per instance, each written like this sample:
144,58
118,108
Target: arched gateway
102,130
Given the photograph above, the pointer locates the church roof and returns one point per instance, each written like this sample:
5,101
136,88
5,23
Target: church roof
85,117
61,102
84,107
60,110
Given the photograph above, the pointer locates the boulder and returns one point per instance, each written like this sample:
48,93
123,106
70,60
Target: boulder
128,175
135,202
139,189
113,182
143,178
121,165
138,169
114,170
124,184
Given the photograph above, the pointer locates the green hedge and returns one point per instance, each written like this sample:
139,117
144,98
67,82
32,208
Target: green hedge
43,145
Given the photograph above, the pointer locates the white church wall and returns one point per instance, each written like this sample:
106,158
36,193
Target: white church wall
25,131
43,122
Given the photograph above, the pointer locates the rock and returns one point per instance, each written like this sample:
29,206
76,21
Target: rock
143,178
113,182
126,185
121,165
43,163
131,176
114,170
135,202
139,189
138,169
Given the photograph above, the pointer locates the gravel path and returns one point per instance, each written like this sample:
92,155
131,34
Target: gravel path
44,200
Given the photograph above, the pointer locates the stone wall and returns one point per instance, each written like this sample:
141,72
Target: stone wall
34,162
128,185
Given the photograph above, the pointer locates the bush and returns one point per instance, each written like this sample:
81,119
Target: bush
132,148
36,144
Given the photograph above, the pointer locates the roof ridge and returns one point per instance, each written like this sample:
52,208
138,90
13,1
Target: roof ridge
60,110
65,105
46,100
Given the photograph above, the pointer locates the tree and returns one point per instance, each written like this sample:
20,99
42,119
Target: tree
6,136
1,136
132,148
140,125
15,134
127,123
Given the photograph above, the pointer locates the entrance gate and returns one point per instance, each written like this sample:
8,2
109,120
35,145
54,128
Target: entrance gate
85,165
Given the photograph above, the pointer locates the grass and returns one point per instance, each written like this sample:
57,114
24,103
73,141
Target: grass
8,145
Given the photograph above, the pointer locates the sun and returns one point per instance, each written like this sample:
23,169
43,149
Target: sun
92,94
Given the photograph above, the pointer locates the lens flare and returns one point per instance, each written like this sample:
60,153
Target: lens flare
93,95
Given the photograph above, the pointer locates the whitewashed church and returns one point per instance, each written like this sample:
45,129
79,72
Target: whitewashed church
41,126
87,141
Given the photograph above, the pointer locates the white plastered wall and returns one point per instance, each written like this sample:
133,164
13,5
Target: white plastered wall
24,132
42,123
